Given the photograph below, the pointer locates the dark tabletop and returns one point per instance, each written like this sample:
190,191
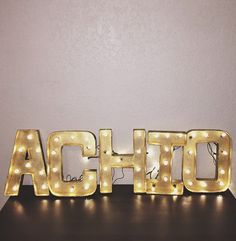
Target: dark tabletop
121,215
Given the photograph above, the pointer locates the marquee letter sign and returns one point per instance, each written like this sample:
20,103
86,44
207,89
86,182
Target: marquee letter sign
27,158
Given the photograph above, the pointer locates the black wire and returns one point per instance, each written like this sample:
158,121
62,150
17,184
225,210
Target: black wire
212,153
123,175
69,178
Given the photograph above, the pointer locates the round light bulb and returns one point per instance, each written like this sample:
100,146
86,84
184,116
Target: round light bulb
221,183
56,139
187,171
53,153
17,171
54,169
91,177
165,179
165,163
190,152
30,137
222,171
28,165
21,149
14,188
41,172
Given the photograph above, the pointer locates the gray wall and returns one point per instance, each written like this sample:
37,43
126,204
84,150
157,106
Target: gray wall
166,65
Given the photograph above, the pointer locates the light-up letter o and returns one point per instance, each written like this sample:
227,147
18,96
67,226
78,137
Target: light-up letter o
223,166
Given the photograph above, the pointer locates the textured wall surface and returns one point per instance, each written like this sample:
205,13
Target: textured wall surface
165,65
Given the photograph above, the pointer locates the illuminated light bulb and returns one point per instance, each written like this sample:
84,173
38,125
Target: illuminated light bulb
138,169
86,186
91,177
28,165
54,169
139,134
89,147
179,135
138,151
190,152
108,152
165,163
139,185
56,185
187,171
21,149
119,160
105,184
44,186
190,183
17,171
225,153
14,188
167,135
41,173
105,134
72,137
38,149
105,169
204,184
153,188
56,139
222,171
223,135
221,183
165,179
166,149
29,137
53,153
72,189
206,135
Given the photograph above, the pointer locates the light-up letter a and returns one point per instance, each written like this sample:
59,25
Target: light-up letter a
27,158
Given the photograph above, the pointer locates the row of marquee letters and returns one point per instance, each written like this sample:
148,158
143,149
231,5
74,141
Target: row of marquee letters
27,158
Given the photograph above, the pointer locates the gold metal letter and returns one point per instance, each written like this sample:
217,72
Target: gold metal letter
109,160
87,141
164,184
27,158
223,168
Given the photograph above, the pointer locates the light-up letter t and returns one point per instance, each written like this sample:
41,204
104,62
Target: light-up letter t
27,158
109,160
164,184
87,141
221,181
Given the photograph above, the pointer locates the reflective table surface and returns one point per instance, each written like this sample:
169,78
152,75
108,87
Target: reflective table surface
121,215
